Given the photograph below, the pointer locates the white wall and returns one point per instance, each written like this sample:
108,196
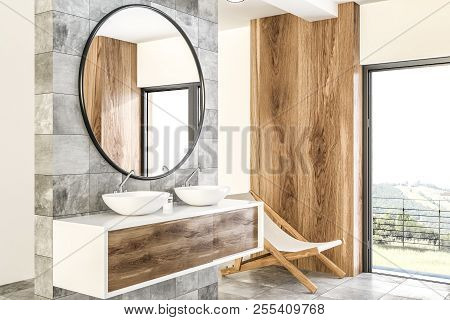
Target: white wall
16,141
165,62
234,109
400,30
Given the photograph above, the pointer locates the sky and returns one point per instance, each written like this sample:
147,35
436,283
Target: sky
411,126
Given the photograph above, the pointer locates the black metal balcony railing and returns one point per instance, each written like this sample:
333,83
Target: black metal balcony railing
413,223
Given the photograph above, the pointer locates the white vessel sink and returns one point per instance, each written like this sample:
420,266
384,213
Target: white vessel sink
136,203
200,196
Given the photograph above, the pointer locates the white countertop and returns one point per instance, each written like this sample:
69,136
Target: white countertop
113,221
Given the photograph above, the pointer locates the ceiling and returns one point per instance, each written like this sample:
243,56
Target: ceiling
235,15
137,25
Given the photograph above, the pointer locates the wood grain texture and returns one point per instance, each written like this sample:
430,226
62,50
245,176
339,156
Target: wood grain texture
145,253
235,232
112,99
310,81
278,114
254,105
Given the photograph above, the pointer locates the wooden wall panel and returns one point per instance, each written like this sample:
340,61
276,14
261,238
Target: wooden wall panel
321,79
113,99
278,114
254,103
350,67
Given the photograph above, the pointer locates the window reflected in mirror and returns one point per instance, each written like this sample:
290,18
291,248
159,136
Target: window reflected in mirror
175,125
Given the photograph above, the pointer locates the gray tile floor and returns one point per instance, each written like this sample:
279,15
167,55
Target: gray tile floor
23,290
275,283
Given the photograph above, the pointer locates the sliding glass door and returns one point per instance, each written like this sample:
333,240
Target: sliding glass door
409,168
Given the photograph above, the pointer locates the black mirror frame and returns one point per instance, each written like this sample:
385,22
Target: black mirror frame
83,106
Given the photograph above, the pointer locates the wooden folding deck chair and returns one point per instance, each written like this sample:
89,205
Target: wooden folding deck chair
283,248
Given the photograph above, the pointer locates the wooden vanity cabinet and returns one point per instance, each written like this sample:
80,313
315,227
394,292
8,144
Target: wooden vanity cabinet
120,255
145,253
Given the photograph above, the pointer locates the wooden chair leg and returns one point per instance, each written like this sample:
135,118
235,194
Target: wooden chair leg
228,270
237,264
290,267
234,269
331,265
251,264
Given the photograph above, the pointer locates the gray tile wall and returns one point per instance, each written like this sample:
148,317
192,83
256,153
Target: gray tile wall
199,285
71,175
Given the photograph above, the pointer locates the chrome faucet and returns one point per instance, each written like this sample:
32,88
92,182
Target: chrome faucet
124,181
186,183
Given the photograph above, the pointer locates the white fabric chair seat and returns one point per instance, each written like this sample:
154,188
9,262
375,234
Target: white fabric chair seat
285,243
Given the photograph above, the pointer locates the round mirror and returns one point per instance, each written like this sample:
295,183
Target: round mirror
142,92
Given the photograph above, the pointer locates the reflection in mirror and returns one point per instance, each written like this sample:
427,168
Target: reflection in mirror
142,92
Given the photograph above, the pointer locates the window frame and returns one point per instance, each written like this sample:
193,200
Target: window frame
194,105
367,142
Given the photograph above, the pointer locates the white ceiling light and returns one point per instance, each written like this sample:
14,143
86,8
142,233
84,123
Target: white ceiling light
235,1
